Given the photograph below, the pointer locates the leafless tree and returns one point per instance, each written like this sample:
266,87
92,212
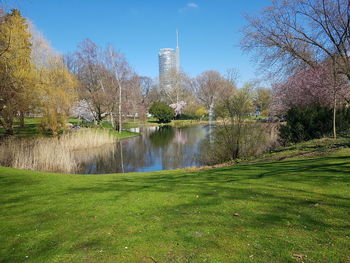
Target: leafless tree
305,32
210,87
95,79
116,63
177,87
291,34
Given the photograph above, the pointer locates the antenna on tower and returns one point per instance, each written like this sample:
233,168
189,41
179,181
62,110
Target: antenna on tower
177,38
177,52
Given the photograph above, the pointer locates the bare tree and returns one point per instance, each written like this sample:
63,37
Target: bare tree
290,34
209,88
95,79
116,63
306,32
176,89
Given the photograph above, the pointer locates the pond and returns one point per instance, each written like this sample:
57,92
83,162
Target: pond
155,149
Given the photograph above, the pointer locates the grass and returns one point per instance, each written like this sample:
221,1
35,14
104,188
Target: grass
304,149
31,128
123,134
294,210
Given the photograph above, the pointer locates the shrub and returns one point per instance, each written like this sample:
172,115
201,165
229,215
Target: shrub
52,121
312,122
162,112
229,142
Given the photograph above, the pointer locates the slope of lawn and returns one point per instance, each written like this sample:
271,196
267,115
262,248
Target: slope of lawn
294,210
32,129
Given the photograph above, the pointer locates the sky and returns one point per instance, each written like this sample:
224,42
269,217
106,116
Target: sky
209,30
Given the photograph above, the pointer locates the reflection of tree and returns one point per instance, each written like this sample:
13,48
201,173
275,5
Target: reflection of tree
180,136
183,150
157,149
162,136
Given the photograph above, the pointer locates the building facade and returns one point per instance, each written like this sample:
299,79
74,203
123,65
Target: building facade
169,63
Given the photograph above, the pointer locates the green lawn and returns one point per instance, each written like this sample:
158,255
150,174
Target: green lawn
294,210
31,128
124,134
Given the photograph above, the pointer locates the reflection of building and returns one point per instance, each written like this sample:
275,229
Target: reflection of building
169,63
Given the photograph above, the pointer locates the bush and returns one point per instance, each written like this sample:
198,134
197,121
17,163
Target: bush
312,122
52,121
229,142
194,112
162,112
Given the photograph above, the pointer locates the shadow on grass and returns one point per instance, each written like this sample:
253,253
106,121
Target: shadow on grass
306,198
284,188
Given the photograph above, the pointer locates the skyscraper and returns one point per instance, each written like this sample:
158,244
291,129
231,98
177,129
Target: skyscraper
169,63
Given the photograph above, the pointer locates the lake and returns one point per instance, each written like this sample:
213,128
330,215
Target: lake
155,149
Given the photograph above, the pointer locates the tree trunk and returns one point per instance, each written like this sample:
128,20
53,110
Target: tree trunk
211,113
334,101
334,117
236,153
7,123
120,109
112,120
21,119
9,130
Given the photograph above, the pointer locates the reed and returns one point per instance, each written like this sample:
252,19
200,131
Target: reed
52,154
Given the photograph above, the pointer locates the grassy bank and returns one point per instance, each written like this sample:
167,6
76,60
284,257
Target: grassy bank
32,129
293,210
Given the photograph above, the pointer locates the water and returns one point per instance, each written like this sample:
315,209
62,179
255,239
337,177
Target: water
156,149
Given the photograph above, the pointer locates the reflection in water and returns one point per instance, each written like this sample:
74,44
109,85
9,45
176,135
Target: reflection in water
157,148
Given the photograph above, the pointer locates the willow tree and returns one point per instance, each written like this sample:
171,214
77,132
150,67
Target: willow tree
56,86
16,75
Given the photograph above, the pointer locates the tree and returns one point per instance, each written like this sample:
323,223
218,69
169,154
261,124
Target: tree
117,64
162,112
55,85
312,86
306,32
235,137
177,88
262,100
95,80
178,107
290,34
16,76
209,88
237,108
58,92
81,109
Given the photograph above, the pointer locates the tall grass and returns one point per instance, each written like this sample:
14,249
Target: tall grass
52,154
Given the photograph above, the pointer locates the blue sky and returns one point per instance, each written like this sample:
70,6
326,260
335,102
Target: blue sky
209,30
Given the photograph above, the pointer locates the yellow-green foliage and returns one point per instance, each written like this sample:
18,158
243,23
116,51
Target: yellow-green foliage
201,112
16,75
58,91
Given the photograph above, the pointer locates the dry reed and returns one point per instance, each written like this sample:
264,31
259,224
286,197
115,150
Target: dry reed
51,154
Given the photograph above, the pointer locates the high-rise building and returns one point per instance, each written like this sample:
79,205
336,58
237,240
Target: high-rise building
169,63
